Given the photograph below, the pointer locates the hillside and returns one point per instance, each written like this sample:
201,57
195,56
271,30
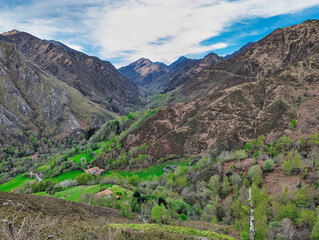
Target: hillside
37,217
225,105
32,100
94,78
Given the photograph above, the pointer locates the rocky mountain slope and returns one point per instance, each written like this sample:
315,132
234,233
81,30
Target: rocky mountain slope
32,101
226,104
143,71
157,77
94,78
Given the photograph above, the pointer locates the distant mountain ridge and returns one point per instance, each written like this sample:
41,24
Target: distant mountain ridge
143,71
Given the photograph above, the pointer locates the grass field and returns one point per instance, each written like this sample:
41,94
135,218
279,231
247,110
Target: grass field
151,172
14,183
77,158
44,168
172,229
75,193
64,176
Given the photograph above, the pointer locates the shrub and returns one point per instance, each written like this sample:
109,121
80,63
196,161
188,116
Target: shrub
240,154
253,161
293,123
182,217
255,174
268,165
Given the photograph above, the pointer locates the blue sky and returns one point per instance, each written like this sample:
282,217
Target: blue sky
122,31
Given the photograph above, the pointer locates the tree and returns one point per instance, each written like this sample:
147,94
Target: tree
214,184
160,214
268,165
284,197
84,178
307,218
126,210
226,186
293,163
255,174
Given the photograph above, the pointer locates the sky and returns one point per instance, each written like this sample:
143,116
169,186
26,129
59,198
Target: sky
122,31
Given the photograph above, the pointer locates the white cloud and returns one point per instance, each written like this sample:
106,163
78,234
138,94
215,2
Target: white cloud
161,30
137,24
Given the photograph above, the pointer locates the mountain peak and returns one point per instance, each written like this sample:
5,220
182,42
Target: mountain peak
179,60
12,32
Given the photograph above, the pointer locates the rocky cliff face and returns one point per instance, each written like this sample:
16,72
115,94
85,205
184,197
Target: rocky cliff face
228,103
34,100
94,78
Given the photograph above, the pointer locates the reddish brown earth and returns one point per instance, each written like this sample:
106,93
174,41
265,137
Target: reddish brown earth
275,180
237,100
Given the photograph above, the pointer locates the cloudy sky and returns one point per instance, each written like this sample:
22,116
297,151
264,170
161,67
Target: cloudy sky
122,31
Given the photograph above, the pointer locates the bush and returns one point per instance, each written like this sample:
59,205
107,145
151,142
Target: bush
293,123
240,154
255,174
268,165
182,217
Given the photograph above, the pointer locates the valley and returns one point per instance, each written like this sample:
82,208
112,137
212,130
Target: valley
156,151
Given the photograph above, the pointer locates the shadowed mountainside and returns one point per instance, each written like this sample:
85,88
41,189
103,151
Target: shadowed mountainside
34,100
94,78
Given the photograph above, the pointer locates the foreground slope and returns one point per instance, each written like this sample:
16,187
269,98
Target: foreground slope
94,78
37,217
33,100
229,103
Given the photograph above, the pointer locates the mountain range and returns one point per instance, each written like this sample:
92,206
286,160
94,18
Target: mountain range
43,83
225,104
213,148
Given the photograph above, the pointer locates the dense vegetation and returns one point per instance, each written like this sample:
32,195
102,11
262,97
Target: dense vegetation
207,188
211,188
